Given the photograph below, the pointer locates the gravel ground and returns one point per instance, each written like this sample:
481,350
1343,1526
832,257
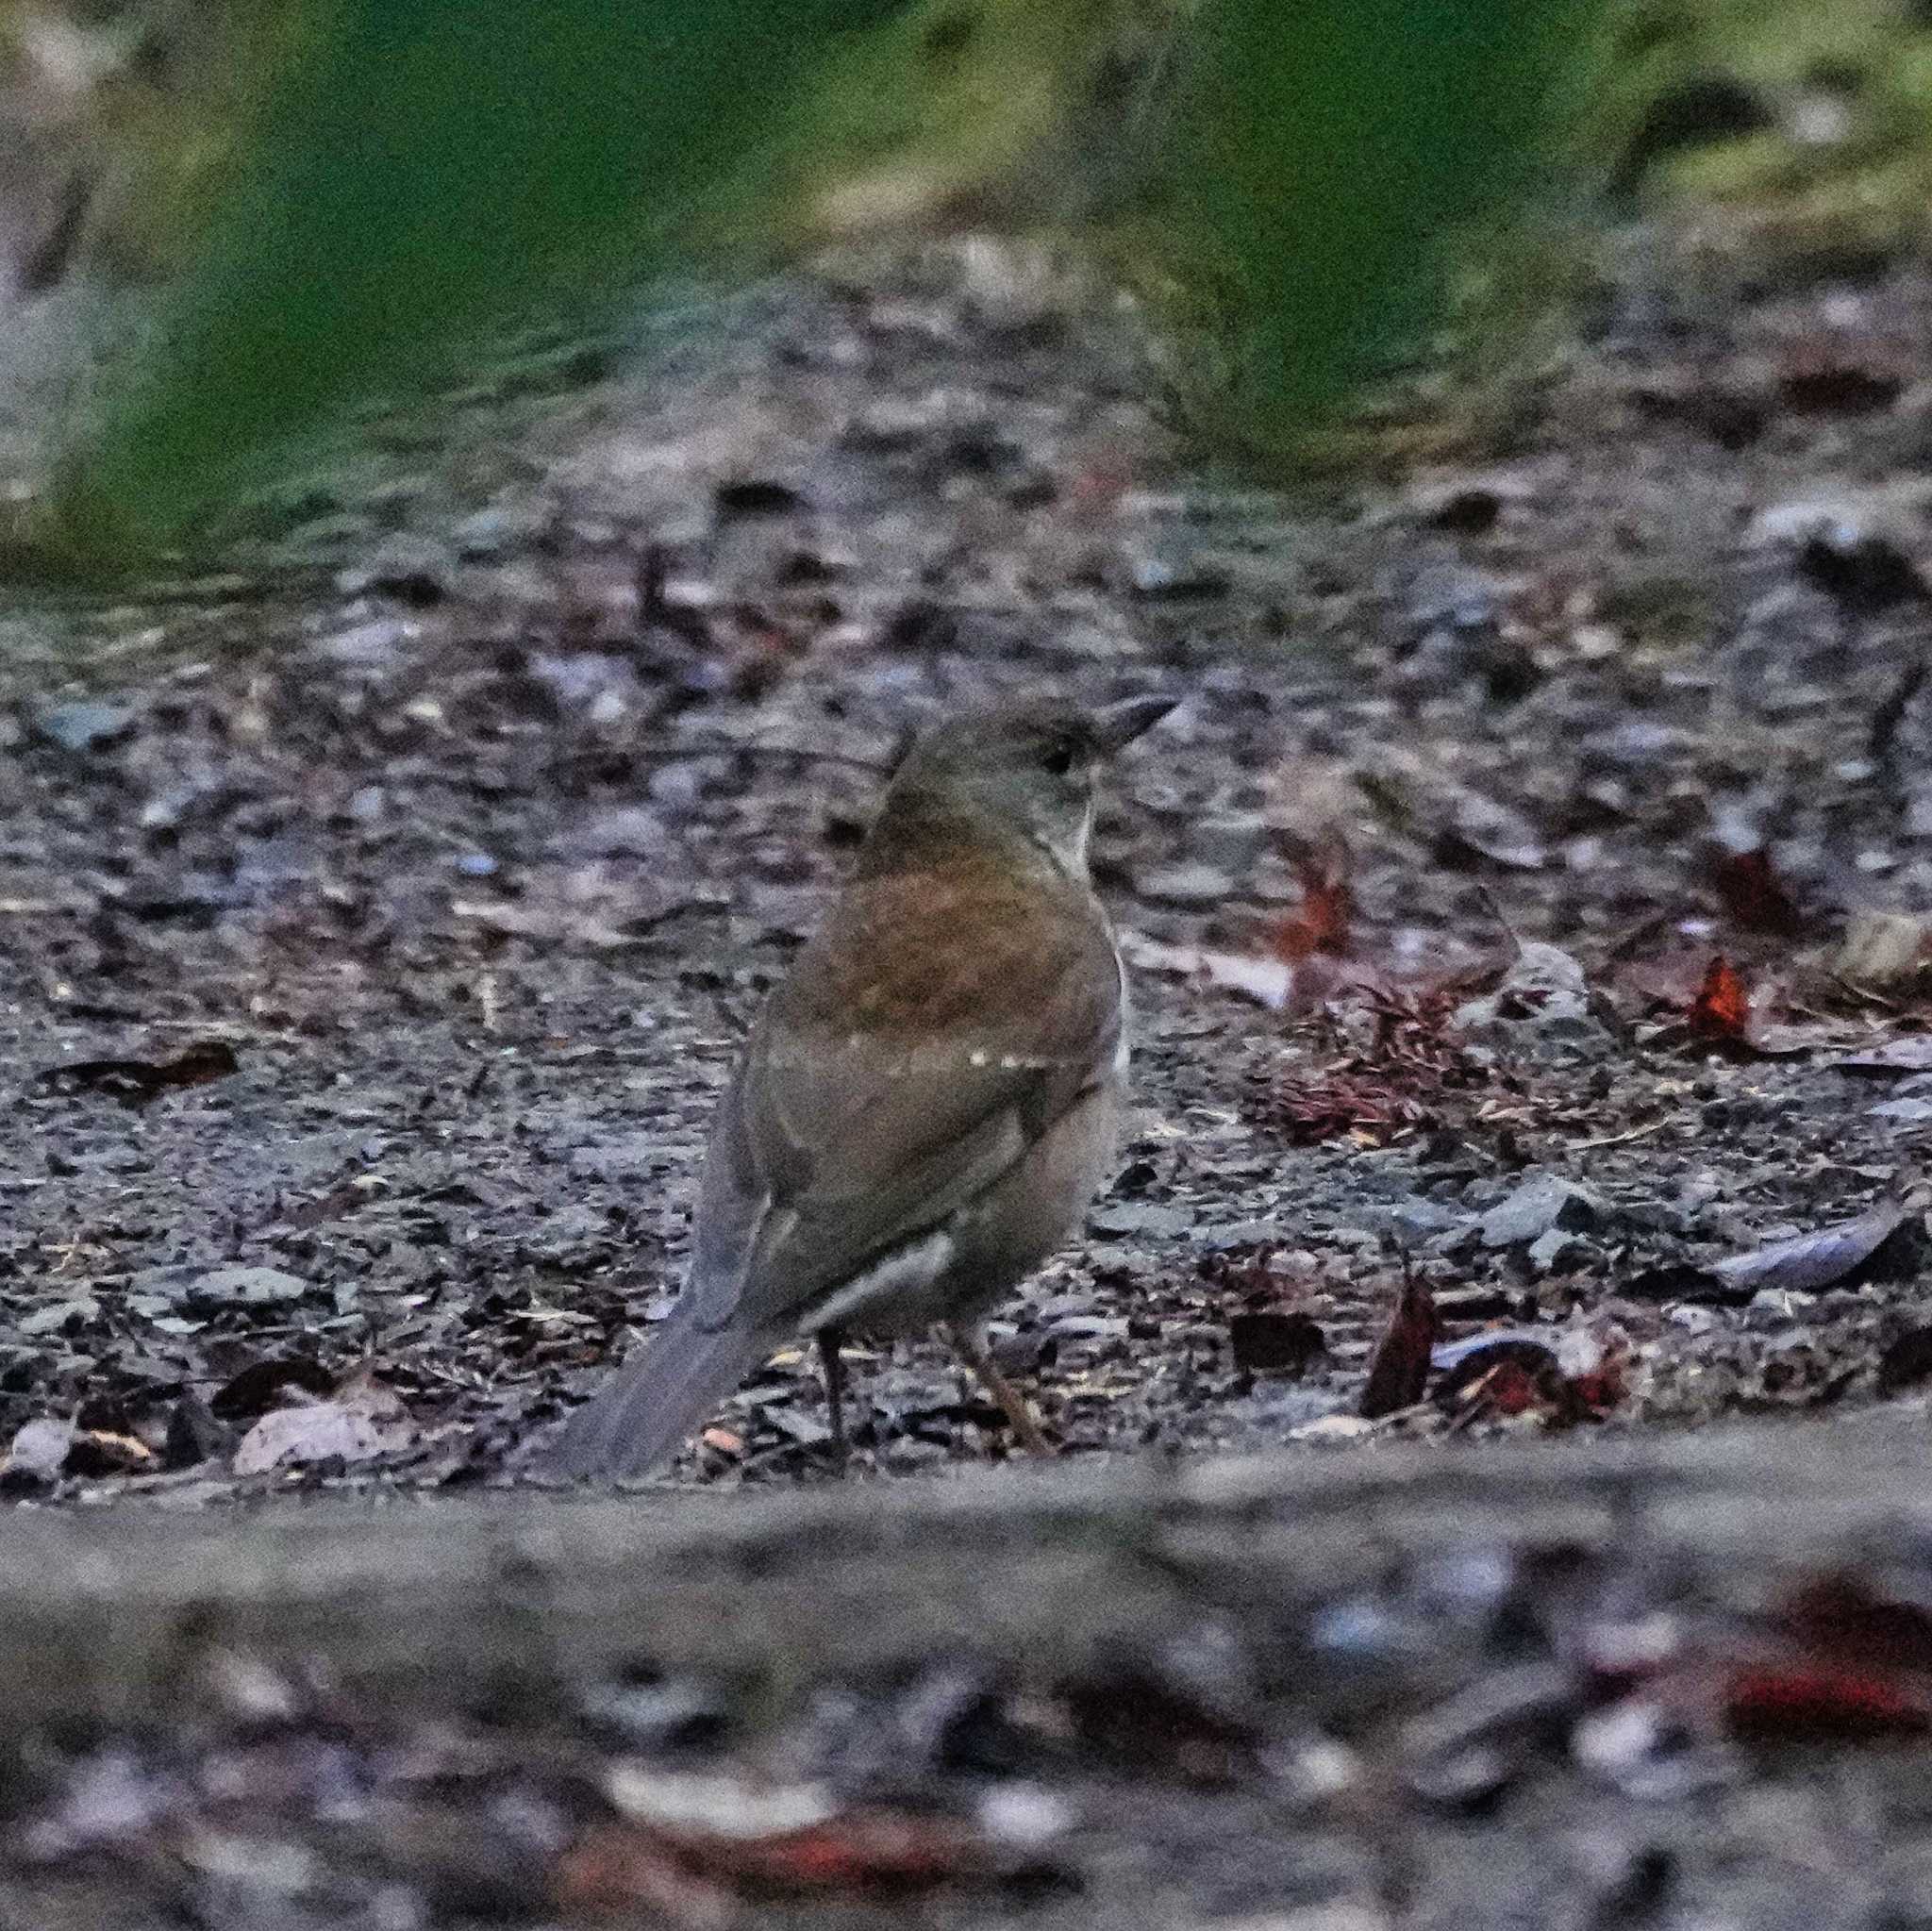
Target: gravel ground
1525,901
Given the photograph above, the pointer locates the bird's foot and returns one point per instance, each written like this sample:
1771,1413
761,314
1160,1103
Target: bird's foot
972,1350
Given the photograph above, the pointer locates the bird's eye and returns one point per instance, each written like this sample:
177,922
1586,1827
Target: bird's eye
1057,760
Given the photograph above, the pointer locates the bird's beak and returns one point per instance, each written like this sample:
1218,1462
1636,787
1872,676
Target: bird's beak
1118,725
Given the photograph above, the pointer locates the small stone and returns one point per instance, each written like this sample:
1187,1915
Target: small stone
372,646
1239,1233
40,1451
1692,1319
1333,1428
87,725
1861,548
1132,1220
638,1156
235,1287
1884,950
1541,1204
195,1435
1906,1112
316,1431
490,533
1412,1219
621,831
1543,1006
1191,883
1160,579
1557,1248
413,570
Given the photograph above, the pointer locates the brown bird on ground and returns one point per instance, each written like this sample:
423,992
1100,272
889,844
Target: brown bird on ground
928,1101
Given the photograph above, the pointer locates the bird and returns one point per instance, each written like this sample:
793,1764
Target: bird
927,1102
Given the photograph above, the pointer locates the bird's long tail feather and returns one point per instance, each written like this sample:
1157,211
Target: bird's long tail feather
650,1406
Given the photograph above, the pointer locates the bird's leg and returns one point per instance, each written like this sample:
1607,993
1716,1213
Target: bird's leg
970,1345
835,1392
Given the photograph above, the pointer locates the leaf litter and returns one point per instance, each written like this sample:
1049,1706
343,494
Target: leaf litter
477,1029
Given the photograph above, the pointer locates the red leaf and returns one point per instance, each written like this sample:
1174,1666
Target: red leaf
1722,1011
1754,895
1600,1388
1820,1703
1510,1388
1399,1372
615,1869
859,1851
1321,924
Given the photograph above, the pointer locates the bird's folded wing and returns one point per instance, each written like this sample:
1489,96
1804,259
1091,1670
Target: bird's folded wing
838,1142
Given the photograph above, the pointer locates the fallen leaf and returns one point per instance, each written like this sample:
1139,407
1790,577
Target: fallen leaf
1267,981
98,1451
1468,509
135,1082
252,1391
1820,382
1331,1104
1840,1615
1886,1242
1509,1388
1907,1361
1571,1373
793,1838
1684,1280
756,496
1399,1369
1754,895
1273,1343
364,1419
1721,1014
618,1870
1910,1053
1321,924
1884,950
1148,1712
1460,1362
1458,848
1820,1703
859,1851
244,1287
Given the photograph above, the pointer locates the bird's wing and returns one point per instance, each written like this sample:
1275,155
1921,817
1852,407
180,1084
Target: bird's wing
908,1060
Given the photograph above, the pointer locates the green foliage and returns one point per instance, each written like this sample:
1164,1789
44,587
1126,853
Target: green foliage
424,171
427,168
1327,155
1824,146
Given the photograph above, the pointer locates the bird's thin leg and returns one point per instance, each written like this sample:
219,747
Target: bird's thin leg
970,1345
835,1392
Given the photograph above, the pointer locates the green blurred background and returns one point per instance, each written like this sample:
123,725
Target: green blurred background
339,199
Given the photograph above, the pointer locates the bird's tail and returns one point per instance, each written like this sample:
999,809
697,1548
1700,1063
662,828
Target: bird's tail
641,1417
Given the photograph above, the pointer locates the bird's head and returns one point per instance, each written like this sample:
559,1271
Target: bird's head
1026,768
